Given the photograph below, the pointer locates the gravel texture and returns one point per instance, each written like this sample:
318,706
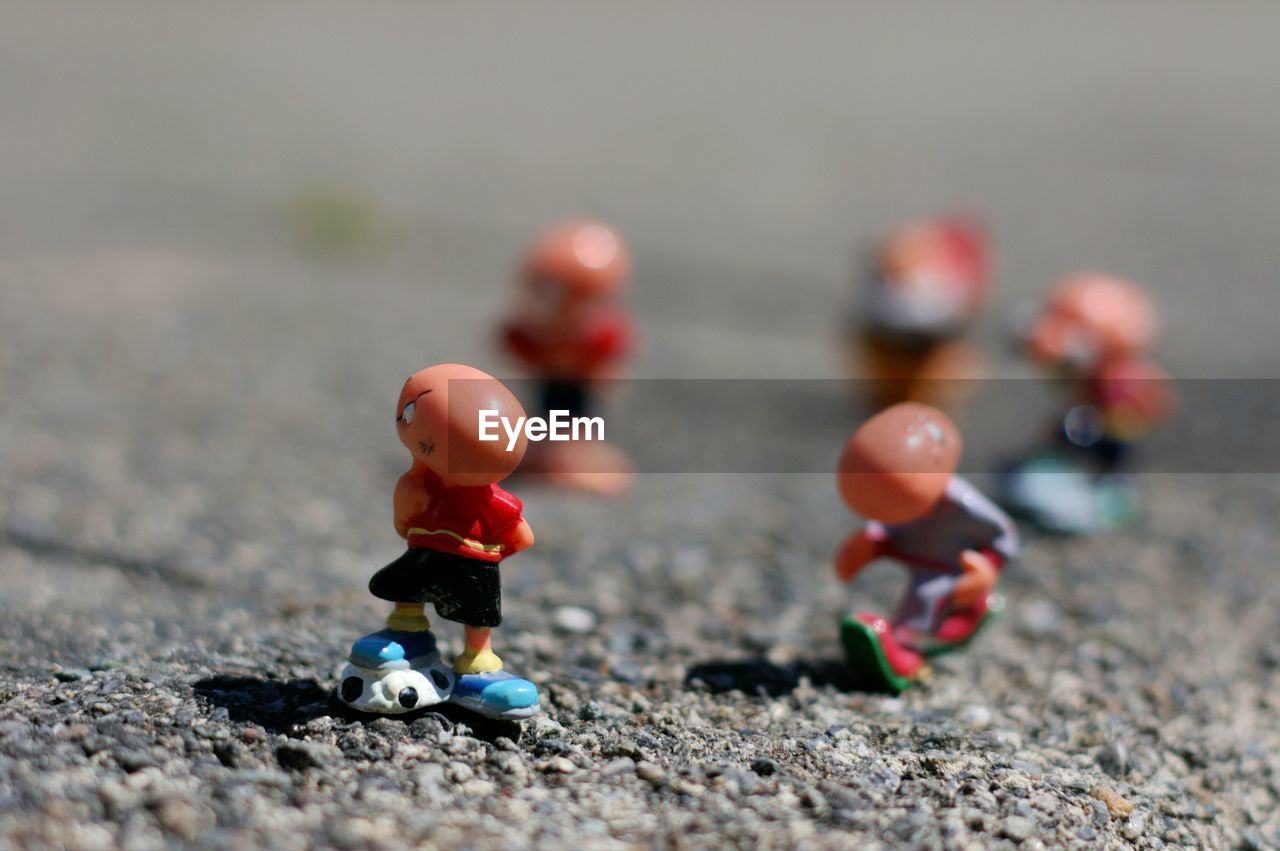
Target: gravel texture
196,456
704,707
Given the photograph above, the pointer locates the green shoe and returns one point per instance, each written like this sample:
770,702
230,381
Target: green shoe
865,651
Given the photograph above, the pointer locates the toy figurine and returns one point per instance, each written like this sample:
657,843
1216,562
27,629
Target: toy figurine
1096,331
929,283
459,526
898,471
571,332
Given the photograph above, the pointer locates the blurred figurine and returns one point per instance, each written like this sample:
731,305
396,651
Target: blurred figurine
1095,331
898,472
459,526
929,283
571,331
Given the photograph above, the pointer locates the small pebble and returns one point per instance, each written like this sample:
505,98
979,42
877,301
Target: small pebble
649,771
764,766
1017,828
1117,805
621,765
559,765
1134,826
574,619
69,675
299,756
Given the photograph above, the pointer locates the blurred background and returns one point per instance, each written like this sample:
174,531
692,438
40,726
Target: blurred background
227,235
745,153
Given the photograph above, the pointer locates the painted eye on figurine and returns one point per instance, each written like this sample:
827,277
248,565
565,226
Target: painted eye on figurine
406,416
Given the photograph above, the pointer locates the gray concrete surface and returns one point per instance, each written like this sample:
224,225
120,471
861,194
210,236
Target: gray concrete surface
196,461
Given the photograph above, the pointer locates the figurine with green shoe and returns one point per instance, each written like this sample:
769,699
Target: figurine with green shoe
898,472
1097,332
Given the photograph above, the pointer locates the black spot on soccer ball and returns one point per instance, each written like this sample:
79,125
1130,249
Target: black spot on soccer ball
408,697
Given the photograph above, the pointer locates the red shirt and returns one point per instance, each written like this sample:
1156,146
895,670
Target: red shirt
1133,396
475,522
604,338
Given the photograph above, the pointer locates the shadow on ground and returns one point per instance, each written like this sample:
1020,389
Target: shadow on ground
279,706
276,705
762,677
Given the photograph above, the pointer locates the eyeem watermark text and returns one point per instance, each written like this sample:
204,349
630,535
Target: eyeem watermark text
558,426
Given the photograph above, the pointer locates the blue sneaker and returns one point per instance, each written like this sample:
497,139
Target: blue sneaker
499,695
389,649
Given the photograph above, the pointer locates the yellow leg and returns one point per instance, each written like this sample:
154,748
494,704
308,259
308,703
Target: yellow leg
408,617
479,657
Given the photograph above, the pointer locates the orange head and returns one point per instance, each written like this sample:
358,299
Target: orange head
932,274
896,466
1091,319
582,258
438,421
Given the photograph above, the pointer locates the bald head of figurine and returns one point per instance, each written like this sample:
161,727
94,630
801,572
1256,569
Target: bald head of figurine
896,466
437,419
933,276
1091,319
582,258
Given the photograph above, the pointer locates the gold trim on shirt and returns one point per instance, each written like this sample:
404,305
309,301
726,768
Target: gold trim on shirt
470,543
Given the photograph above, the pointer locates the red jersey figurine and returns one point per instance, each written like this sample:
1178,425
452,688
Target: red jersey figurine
898,472
571,331
1097,331
929,282
459,525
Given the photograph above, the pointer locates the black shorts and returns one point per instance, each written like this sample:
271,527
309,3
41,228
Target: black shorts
465,590
561,394
1110,454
